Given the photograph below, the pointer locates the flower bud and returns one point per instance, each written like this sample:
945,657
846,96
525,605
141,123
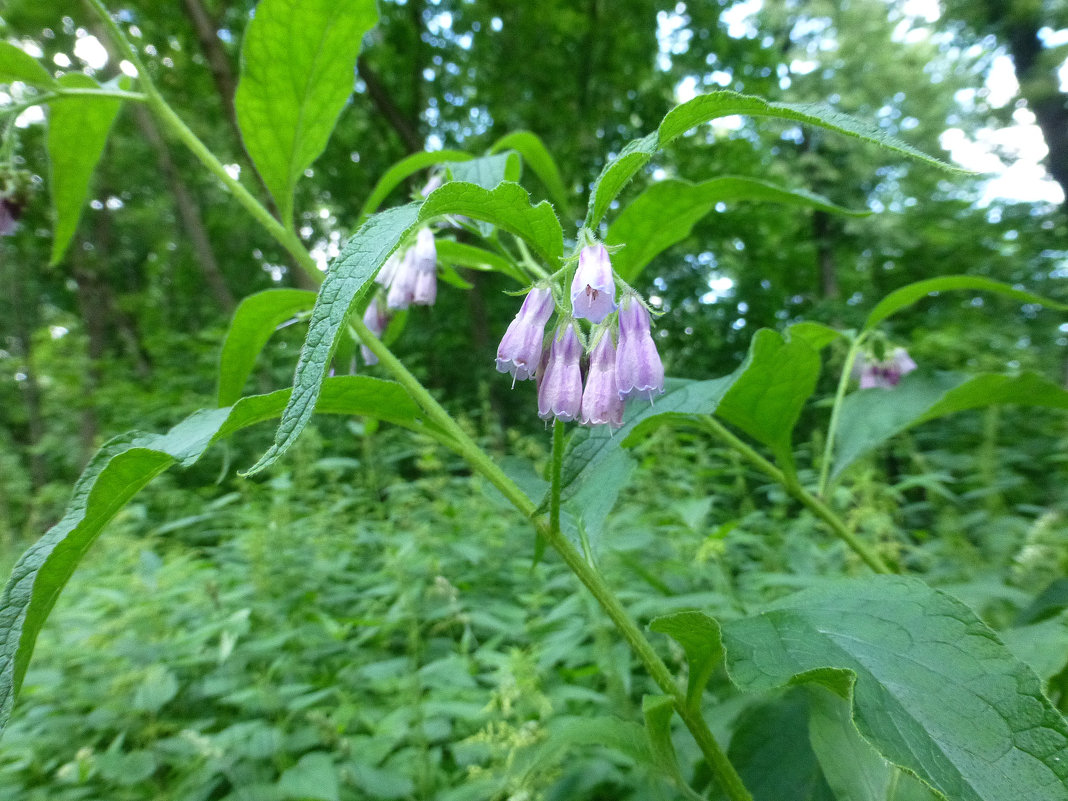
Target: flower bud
560,393
521,348
639,371
593,290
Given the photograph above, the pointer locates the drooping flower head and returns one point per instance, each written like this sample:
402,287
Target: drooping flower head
402,283
521,348
376,317
560,392
601,404
885,373
639,371
593,290
425,289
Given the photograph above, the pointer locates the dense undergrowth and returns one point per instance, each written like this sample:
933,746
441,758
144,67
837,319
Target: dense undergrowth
377,627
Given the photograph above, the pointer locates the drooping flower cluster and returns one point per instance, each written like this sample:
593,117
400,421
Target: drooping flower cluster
883,373
409,277
613,374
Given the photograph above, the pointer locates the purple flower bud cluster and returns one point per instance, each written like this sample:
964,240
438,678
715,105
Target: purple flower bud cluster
412,277
409,277
885,373
613,374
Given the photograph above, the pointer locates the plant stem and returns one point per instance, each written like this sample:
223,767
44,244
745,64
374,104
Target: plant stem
799,493
832,426
285,236
554,476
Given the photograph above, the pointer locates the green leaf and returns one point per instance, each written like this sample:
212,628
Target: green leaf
769,390
298,62
817,335
118,471
909,294
403,169
771,750
507,207
665,213
931,687
705,108
460,254
852,768
254,321
869,417
345,282
313,778
18,65
157,688
698,634
658,711
537,157
78,130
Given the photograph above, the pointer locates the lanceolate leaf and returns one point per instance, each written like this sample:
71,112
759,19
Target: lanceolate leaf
255,320
871,416
78,129
537,157
705,108
665,213
658,711
931,687
118,471
487,171
907,295
507,206
298,63
698,634
461,254
405,168
18,65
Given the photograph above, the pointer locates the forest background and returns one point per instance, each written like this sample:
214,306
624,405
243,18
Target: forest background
123,333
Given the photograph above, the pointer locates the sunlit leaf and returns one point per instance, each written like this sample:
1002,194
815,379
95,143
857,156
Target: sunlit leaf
539,159
78,129
665,213
256,318
403,169
18,65
298,63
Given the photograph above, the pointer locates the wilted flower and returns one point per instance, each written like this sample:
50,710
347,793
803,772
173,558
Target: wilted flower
601,403
884,374
639,371
593,290
560,393
520,350
376,317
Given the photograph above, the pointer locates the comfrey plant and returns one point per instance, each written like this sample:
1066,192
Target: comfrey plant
911,694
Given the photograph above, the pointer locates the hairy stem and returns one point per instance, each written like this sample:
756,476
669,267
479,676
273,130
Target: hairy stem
799,493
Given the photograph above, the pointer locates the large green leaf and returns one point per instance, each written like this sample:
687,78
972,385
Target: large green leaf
537,157
487,171
931,687
405,168
118,471
507,206
460,254
665,213
769,390
909,294
871,416
252,325
18,65
78,130
298,63
658,711
705,108
852,768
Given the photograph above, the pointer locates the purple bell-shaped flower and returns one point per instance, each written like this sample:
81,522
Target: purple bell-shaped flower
425,287
521,347
593,290
376,317
639,371
601,404
560,392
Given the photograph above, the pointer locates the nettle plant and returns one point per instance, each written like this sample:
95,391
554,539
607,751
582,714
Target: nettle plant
909,694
